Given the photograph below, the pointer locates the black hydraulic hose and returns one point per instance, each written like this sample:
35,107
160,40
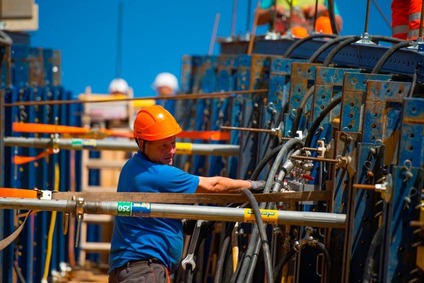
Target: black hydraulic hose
413,84
292,252
223,253
319,119
339,47
378,38
299,111
348,41
387,55
287,256
312,59
325,46
369,263
265,161
322,248
299,42
332,14
315,56
262,234
250,256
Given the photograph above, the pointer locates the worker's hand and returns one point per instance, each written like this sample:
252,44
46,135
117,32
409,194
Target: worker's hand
257,186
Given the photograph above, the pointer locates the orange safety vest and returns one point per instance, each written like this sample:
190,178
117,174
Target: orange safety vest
406,15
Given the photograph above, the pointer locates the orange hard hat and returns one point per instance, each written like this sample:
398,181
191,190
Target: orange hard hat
323,25
299,32
155,123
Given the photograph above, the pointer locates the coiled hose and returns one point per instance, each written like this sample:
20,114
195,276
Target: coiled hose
262,234
245,269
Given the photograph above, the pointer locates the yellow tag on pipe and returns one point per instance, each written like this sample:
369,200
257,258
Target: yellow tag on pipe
268,215
184,147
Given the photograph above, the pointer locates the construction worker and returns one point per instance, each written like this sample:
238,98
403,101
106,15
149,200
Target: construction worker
299,23
148,249
166,85
406,15
118,86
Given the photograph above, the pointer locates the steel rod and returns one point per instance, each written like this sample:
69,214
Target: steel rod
315,159
119,145
221,94
175,211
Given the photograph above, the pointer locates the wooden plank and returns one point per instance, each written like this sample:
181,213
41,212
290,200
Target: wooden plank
194,198
95,247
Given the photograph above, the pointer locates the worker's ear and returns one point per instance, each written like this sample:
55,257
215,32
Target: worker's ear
138,142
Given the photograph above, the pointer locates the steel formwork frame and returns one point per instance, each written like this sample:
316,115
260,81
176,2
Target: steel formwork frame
367,101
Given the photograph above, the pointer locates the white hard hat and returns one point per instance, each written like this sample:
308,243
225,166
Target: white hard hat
118,86
166,79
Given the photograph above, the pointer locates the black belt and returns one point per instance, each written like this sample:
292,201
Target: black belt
144,261
148,261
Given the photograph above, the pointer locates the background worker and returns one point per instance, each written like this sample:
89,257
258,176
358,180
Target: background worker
118,86
301,20
406,15
166,85
147,248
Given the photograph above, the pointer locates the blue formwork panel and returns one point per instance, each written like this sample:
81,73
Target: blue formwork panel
207,73
256,69
35,76
26,173
9,181
220,109
43,183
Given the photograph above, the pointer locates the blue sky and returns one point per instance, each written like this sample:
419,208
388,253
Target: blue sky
155,35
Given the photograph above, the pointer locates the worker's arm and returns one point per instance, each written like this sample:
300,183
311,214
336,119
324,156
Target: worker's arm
220,184
266,15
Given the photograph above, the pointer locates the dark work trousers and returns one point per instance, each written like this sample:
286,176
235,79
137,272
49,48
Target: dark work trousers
144,271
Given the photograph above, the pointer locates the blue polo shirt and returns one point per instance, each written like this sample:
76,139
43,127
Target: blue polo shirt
140,238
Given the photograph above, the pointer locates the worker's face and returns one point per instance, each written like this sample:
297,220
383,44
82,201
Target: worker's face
165,91
161,151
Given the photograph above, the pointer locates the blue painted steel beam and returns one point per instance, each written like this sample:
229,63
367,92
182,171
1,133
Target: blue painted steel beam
405,61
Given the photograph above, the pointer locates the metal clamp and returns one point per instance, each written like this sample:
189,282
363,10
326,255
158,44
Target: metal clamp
44,194
79,213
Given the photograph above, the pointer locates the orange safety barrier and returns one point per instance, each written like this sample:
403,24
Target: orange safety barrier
59,129
205,135
18,193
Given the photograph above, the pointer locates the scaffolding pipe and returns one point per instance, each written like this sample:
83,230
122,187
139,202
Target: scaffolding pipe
175,211
119,145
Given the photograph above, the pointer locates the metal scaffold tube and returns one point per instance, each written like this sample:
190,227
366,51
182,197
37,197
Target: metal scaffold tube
175,211
118,145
